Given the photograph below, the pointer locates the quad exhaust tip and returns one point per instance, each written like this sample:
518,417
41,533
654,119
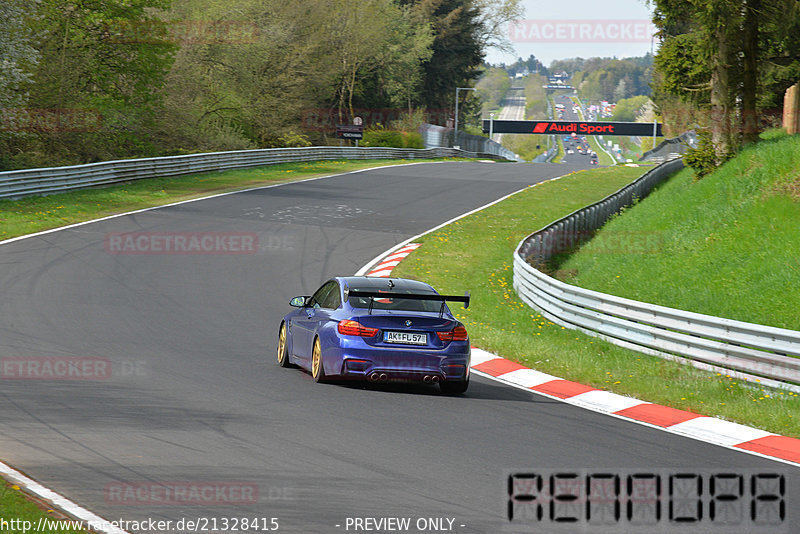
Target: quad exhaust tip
375,377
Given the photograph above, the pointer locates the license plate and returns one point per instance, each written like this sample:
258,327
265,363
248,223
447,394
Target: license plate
407,338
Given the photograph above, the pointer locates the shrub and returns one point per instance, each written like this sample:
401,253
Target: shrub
703,159
380,136
293,139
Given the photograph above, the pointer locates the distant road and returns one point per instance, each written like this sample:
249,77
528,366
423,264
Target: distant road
570,115
513,109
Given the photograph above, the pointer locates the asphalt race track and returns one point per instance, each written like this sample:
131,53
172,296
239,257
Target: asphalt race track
195,399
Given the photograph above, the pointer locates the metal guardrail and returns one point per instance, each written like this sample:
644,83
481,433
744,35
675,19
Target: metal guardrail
547,156
439,136
17,184
768,354
671,148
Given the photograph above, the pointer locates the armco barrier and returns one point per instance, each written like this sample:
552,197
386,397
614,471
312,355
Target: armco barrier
16,184
671,148
770,355
439,136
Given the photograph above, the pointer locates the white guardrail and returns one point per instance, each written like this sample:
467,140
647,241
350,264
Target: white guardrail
17,184
756,352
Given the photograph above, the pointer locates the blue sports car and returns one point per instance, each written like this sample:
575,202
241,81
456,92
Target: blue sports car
377,329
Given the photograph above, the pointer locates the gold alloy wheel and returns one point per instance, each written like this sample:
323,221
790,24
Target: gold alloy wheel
316,362
281,344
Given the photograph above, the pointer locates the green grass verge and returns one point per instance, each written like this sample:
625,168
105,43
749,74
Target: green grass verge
23,514
34,214
525,145
499,322
726,245
560,153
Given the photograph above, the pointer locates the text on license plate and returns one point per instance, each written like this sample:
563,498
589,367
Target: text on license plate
405,337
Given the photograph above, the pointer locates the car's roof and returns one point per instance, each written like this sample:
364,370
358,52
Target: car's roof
375,283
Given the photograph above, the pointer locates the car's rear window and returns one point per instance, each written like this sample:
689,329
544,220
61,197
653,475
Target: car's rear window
397,303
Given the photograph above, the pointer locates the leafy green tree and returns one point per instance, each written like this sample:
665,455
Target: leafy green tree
248,88
19,56
103,57
393,50
457,48
493,19
627,109
492,88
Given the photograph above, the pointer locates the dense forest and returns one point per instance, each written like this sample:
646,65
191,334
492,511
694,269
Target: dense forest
92,80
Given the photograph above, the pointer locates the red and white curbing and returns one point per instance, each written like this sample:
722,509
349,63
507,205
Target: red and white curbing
384,268
708,429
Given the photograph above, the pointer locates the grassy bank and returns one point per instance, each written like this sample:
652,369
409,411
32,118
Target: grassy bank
34,214
499,322
727,245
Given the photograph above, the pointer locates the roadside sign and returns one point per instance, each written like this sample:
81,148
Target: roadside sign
349,131
358,121
572,127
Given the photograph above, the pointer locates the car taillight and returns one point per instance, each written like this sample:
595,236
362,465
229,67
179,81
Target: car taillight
350,327
458,333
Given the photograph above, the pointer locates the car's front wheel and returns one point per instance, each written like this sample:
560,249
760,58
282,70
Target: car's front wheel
317,371
454,387
283,348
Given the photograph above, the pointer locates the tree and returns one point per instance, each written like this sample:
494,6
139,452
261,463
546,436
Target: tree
19,55
627,109
379,47
19,58
457,48
730,66
101,57
249,88
493,19
492,88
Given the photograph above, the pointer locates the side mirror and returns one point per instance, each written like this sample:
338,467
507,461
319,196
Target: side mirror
298,302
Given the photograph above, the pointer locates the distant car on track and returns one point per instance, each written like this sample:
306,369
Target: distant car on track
377,330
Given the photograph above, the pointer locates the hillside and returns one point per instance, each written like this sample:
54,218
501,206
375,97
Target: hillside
726,245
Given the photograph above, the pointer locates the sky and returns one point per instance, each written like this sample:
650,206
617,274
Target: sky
579,28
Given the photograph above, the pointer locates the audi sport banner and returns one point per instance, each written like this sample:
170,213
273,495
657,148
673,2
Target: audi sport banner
570,127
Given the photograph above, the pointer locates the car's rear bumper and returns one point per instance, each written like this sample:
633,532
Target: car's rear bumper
404,365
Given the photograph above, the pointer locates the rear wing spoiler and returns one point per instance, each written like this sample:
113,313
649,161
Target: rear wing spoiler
372,295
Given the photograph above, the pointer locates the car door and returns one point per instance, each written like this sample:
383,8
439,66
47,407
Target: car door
310,318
